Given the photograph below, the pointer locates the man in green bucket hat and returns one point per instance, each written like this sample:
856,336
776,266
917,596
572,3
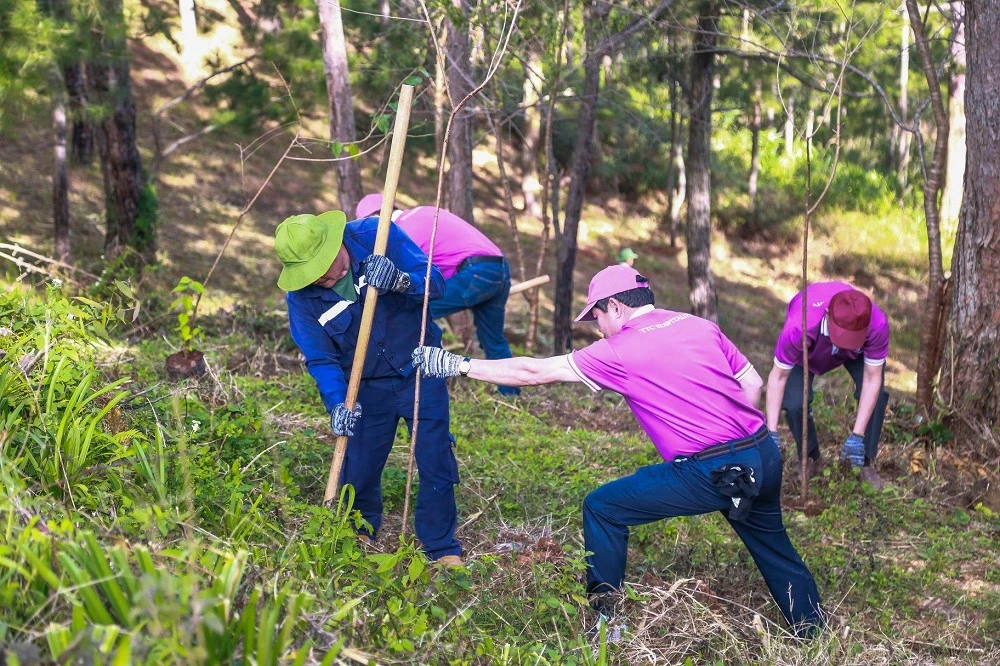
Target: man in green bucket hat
326,264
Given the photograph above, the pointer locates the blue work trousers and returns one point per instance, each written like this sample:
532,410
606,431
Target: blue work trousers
792,404
482,288
383,402
684,488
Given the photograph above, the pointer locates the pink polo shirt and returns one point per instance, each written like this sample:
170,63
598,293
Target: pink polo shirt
456,239
823,355
679,375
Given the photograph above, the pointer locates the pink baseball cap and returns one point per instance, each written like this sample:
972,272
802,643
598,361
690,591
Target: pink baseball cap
370,204
608,282
850,315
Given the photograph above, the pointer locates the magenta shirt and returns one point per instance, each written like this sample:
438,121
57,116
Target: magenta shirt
456,239
823,355
679,375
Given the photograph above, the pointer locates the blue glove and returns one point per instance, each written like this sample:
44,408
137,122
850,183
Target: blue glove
382,274
854,450
343,420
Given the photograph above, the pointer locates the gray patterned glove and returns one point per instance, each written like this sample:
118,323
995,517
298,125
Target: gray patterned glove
436,362
343,420
382,274
854,450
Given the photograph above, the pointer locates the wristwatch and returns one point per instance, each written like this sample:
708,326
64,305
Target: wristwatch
464,366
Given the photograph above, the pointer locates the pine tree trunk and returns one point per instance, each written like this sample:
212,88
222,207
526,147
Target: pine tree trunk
60,180
82,134
595,15
701,282
951,198
754,152
975,317
460,200
129,211
931,333
338,92
531,185
440,94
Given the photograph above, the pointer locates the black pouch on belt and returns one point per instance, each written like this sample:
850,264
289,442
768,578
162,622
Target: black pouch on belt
738,483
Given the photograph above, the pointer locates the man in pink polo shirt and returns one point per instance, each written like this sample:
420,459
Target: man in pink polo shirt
695,395
476,274
844,328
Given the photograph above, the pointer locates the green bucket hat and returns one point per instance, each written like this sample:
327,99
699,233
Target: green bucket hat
307,245
626,254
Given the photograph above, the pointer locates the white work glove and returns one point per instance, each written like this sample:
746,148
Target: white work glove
382,274
436,362
343,420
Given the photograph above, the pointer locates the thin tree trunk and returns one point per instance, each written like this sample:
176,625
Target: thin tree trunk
951,197
60,180
129,208
669,220
903,144
82,135
460,183
189,24
930,335
790,126
533,84
754,151
595,15
338,92
440,92
974,366
701,282
384,13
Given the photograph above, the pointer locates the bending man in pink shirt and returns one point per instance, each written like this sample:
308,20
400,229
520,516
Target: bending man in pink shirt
844,328
695,395
476,274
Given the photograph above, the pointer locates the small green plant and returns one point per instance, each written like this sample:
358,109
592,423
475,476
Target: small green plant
185,306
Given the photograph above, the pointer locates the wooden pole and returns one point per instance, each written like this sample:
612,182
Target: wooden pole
528,284
371,295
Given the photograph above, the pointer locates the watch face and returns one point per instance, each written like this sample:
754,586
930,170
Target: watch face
464,366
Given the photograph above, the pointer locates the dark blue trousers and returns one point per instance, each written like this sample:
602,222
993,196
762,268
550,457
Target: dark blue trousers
792,404
383,402
684,488
482,288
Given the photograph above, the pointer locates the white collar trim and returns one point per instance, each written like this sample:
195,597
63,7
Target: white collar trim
645,309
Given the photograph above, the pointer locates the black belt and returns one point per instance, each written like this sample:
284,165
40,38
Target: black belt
732,446
481,259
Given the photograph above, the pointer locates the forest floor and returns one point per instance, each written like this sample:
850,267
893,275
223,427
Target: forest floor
912,574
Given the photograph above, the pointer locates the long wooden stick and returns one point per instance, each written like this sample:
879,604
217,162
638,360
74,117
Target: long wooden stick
371,295
518,287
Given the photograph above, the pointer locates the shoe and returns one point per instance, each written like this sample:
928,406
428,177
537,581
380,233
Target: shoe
450,561
871,477
364,539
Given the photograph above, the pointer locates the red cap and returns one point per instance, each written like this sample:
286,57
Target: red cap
849,315
370,204
610,281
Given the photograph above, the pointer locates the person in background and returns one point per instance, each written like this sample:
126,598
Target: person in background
697,402
326,263
476,274
844,328
627,257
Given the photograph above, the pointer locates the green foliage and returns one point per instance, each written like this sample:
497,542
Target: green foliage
184,304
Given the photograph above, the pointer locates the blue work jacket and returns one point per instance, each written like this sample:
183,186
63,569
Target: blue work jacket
325,326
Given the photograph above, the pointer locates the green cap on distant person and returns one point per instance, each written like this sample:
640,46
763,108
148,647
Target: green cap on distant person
627,253
307,245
